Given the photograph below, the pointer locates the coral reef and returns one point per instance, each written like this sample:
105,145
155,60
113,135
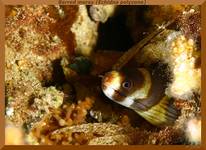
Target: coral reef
85,31
53,73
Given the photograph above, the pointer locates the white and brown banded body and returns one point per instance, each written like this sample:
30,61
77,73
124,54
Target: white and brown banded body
142,90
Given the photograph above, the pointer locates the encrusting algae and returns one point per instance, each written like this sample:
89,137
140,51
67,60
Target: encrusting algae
54,71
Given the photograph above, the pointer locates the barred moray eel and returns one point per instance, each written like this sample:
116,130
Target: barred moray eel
142,90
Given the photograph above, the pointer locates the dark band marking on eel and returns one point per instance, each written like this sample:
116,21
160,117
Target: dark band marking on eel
169,115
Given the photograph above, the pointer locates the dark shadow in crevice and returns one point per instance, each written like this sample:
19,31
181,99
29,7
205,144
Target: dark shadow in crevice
114,34
58,77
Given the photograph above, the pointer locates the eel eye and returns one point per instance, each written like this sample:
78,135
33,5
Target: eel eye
127,84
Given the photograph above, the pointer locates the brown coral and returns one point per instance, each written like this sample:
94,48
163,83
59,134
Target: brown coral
31,51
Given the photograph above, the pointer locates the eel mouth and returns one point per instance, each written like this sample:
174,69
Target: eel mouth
113,93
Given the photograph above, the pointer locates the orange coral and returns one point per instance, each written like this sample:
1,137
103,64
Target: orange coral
66,116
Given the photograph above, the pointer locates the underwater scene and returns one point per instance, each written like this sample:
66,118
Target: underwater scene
102,75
